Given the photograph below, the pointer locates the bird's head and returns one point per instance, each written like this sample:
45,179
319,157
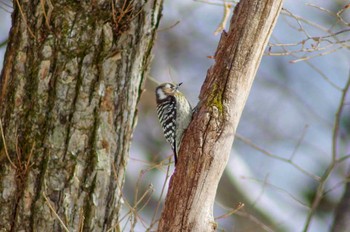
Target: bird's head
165,90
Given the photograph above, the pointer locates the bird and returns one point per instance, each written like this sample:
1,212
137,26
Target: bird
174,113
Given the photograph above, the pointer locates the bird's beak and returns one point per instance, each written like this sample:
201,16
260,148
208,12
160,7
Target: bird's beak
178,85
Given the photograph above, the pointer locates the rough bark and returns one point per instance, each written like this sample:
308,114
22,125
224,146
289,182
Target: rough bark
70,84
207,143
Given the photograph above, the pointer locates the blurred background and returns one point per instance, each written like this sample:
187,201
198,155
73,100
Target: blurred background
284,142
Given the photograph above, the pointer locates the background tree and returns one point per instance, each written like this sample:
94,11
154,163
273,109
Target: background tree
70,84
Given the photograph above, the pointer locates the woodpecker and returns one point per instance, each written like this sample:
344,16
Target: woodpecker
174,114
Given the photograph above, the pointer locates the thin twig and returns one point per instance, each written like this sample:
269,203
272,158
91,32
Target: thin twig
132,210
5,146
81,220
317,55
54,212
232,211
341,159
248,142
225,18
4,9
25,19
341,11
262,191
3,43
153,221
279,189
255,220
337,185
169,27
299,142
315,68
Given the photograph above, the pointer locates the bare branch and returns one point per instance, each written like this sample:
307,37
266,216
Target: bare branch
289,161
321,187
207,143
328,43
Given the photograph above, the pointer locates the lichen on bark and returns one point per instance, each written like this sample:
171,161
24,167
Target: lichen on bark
69,92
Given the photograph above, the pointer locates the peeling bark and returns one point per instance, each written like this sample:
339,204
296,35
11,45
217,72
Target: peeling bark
70,85
207,143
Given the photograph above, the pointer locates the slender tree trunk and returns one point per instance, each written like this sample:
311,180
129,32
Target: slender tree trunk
207,143
70,84
342,215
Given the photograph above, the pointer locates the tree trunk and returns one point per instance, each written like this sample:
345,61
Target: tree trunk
207,143
70,84
342,215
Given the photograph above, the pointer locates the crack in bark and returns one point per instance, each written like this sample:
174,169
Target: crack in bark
78,84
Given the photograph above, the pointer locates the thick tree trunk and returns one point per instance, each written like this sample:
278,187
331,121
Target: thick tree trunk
207,143
70,84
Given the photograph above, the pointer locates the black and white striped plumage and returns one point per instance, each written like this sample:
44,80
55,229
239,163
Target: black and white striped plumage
174,113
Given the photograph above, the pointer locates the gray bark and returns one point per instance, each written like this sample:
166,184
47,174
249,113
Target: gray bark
70,85
207,142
